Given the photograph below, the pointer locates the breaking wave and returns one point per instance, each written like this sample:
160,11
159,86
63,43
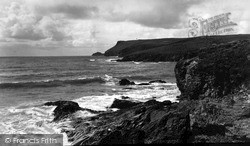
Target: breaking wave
52,83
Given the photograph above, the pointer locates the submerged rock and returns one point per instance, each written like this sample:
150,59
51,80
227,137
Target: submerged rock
63,109
124,82
215,72
144,84
157,81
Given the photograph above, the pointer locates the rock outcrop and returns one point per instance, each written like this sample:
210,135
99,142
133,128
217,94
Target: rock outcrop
214,73
63,109
124,82
147,123
123,104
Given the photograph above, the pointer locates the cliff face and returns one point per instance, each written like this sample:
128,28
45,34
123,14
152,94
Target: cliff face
169,49
215,72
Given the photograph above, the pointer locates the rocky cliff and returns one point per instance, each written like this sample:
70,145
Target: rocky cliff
169,49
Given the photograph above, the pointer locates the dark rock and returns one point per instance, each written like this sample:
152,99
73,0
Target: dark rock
123,104
146,123
214,73
125,97
144,84
157,81
113,138
124,82
63,109
167,102
245,113
98,54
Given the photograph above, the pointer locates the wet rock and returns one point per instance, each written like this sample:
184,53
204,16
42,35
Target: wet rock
157,81
123,104
63,109
147,123
214,73
125,97
144,84
124,82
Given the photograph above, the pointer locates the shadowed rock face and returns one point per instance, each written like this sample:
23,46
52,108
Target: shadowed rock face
215,72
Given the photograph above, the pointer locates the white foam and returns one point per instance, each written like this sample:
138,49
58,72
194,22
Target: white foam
99,103
35,118
136,62
111,60
158,91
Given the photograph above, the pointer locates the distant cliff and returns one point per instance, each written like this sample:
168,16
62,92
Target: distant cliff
167,49
98,54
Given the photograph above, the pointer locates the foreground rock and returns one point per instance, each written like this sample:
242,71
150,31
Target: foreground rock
215,72
123,104
146,123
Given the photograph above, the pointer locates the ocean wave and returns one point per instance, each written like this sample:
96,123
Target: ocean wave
52,83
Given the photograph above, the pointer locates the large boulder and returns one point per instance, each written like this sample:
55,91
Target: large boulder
215,72
63,109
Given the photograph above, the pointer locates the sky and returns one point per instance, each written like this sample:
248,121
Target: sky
82,27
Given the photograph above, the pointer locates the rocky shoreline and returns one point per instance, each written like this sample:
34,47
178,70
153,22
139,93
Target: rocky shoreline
214,106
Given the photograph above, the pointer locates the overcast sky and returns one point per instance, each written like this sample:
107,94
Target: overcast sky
82,27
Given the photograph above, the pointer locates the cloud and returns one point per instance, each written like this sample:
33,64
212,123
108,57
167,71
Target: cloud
157,14
151,13
19,22
70,11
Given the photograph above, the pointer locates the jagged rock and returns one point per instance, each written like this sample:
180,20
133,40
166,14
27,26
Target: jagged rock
63,109
147,123
123,104
215,72
124,82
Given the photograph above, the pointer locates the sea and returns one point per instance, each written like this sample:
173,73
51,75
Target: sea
26,83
